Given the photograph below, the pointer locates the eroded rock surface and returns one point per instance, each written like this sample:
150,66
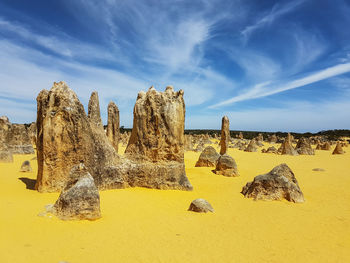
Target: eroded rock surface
280,183
225,135
113,133
287,147
208,157
338,149
200,206
252,146
80,198
66,136
226,166
304,147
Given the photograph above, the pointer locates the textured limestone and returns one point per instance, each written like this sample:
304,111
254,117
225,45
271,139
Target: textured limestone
208,157
287,147
66,136
113,133
80,198
252,146
94,114
280,183
154,157
226,166
338,149
304,147
156,144
200,206
225,135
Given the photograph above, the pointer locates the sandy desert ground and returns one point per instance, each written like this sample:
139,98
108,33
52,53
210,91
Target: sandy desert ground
145,225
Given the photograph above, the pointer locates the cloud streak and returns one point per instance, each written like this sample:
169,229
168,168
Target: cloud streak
265,89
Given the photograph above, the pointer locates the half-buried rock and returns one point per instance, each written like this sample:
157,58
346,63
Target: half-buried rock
226,166
25,167
80,198
208,157
200,206
280,183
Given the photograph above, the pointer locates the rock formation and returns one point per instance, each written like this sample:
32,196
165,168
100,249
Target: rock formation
252,147
287,147
5,154
304,147
200,206
188,143
270,150
326,146
226,166
208,157
113,133
157,141
15,137
240,136
280,183
80,198
66,137
25,167
338,149
225,135
94,114
272,139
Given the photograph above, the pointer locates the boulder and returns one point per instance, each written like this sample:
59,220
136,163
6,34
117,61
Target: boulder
338,149
113,133
287,147
252,146
208,157
270,150
326,146
225,135
226,166
303,147
80,198
200,206
25,167
280,183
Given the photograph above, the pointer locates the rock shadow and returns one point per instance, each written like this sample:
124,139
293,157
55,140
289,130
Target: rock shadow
30,183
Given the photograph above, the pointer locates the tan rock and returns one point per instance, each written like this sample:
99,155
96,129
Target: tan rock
66,137
226,166
208,158
225,135
303,147
280,183
338,149
252,146
113,133
287,147
80,198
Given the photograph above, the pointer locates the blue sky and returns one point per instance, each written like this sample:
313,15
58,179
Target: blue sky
268,65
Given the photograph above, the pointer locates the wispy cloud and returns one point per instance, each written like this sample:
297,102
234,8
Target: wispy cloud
267,89
276,12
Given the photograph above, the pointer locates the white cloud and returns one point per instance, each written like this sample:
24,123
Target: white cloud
268,19
264,90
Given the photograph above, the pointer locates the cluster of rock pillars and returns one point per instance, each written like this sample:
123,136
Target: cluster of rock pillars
78,157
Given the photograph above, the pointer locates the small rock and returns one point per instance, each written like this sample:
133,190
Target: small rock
226,166
318,170
25,167
201,206
208,157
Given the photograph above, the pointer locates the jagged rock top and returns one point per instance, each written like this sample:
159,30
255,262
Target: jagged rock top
158,128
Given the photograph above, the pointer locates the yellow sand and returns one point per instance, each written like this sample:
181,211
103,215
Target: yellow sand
144,225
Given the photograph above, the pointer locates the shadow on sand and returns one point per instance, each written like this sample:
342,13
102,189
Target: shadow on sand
30,183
